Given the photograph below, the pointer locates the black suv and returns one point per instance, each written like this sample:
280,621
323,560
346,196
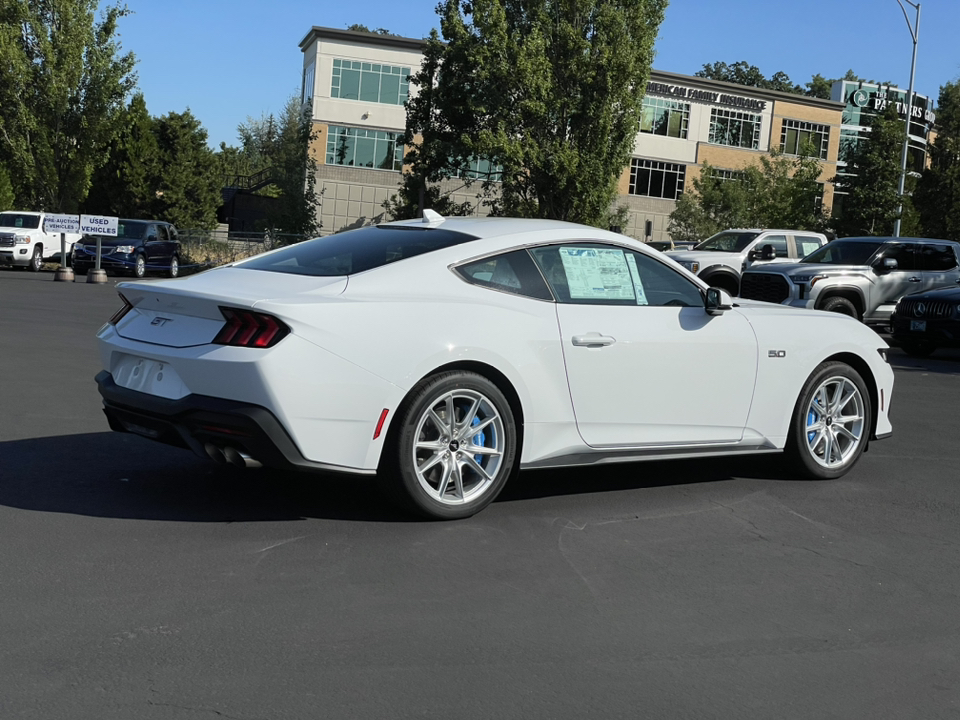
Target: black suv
141,246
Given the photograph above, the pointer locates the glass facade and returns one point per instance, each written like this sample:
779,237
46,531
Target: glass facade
369,82
665,117
309,76
734,128
357,147
652,178
482,170
795,134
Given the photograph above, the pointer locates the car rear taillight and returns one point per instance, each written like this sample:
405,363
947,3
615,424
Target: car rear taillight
246,328
127,307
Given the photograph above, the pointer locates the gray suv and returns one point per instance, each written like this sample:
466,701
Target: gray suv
861,277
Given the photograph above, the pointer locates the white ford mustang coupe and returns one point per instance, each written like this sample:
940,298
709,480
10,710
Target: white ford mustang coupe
443,355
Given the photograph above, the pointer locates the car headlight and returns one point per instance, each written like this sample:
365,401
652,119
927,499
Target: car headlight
693,267
808,279
23,239
125,249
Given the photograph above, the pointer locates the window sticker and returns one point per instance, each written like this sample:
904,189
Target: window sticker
637,284
596,273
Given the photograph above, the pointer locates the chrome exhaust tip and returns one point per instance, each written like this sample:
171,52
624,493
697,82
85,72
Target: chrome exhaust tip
215,453
239,459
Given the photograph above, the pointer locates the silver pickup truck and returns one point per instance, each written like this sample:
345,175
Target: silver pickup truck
861,277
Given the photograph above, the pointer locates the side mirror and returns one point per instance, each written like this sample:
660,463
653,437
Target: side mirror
753,256
718,301
769,252
887,265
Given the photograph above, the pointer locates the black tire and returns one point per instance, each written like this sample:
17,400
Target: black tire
36,260
840,305
833,453
174,269
917,348
434,492
140,266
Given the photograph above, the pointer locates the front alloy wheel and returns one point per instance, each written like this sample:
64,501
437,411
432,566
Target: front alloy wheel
36,260
455,448
174,269
140,266
831,424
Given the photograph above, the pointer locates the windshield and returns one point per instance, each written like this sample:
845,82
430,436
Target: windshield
729,241
354,251
19,220
843,252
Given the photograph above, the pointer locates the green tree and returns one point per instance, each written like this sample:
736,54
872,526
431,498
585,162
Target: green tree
548,92
127,185
937,196
778,192
357,27
281,146
63,84
188,191
7,198
871,185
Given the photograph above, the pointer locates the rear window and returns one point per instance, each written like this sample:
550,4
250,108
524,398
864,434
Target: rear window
354,251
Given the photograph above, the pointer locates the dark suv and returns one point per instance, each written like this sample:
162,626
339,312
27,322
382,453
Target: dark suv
140,247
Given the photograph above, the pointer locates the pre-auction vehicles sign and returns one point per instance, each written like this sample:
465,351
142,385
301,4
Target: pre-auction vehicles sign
61,223
98,225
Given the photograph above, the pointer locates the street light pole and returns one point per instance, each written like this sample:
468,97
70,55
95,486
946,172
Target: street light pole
914,32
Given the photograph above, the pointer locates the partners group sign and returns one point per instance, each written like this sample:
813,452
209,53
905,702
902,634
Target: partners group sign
99,225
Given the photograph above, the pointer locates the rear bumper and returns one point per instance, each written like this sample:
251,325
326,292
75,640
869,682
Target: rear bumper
195,420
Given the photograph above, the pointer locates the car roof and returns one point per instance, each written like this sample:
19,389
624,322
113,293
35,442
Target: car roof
492,227
906,240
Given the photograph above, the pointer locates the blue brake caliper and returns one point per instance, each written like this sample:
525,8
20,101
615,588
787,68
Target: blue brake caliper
811,419
478,439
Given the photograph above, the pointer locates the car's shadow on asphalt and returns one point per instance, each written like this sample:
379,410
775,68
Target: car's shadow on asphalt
124,476
944,361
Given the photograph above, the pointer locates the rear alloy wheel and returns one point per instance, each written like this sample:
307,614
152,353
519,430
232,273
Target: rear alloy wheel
917,348
840,305
831,422
174,268
454,449
140,266
36,260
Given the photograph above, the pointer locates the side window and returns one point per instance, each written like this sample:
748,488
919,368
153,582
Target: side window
806,244
174,236
595,274
151,234
162,233
903,253
779,243
513,272
938,258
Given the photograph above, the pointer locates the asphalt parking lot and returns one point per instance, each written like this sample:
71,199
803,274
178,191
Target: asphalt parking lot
138,581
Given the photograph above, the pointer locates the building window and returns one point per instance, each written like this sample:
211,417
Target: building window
665,117
369,82
309,74
724,175
481,170
733,128
795,133
653,178
356,147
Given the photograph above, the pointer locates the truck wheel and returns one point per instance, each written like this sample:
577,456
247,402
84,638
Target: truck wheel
840,305
36,260
174,268
725,283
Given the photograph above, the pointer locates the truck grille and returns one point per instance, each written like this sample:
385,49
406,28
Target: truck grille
764,286
8,239
920,308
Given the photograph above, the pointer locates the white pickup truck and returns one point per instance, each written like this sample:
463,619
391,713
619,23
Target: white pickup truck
25,243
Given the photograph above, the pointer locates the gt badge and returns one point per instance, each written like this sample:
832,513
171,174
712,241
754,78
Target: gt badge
160,321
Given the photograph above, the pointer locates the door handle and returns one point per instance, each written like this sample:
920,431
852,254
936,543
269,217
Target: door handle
593,340
914,279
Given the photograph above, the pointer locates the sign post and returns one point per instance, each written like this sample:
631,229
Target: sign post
62,224
98,225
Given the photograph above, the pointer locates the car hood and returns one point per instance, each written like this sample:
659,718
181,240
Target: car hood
793,269
948,294
706,257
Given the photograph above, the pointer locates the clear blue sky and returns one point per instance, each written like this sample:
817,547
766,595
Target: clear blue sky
228,61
